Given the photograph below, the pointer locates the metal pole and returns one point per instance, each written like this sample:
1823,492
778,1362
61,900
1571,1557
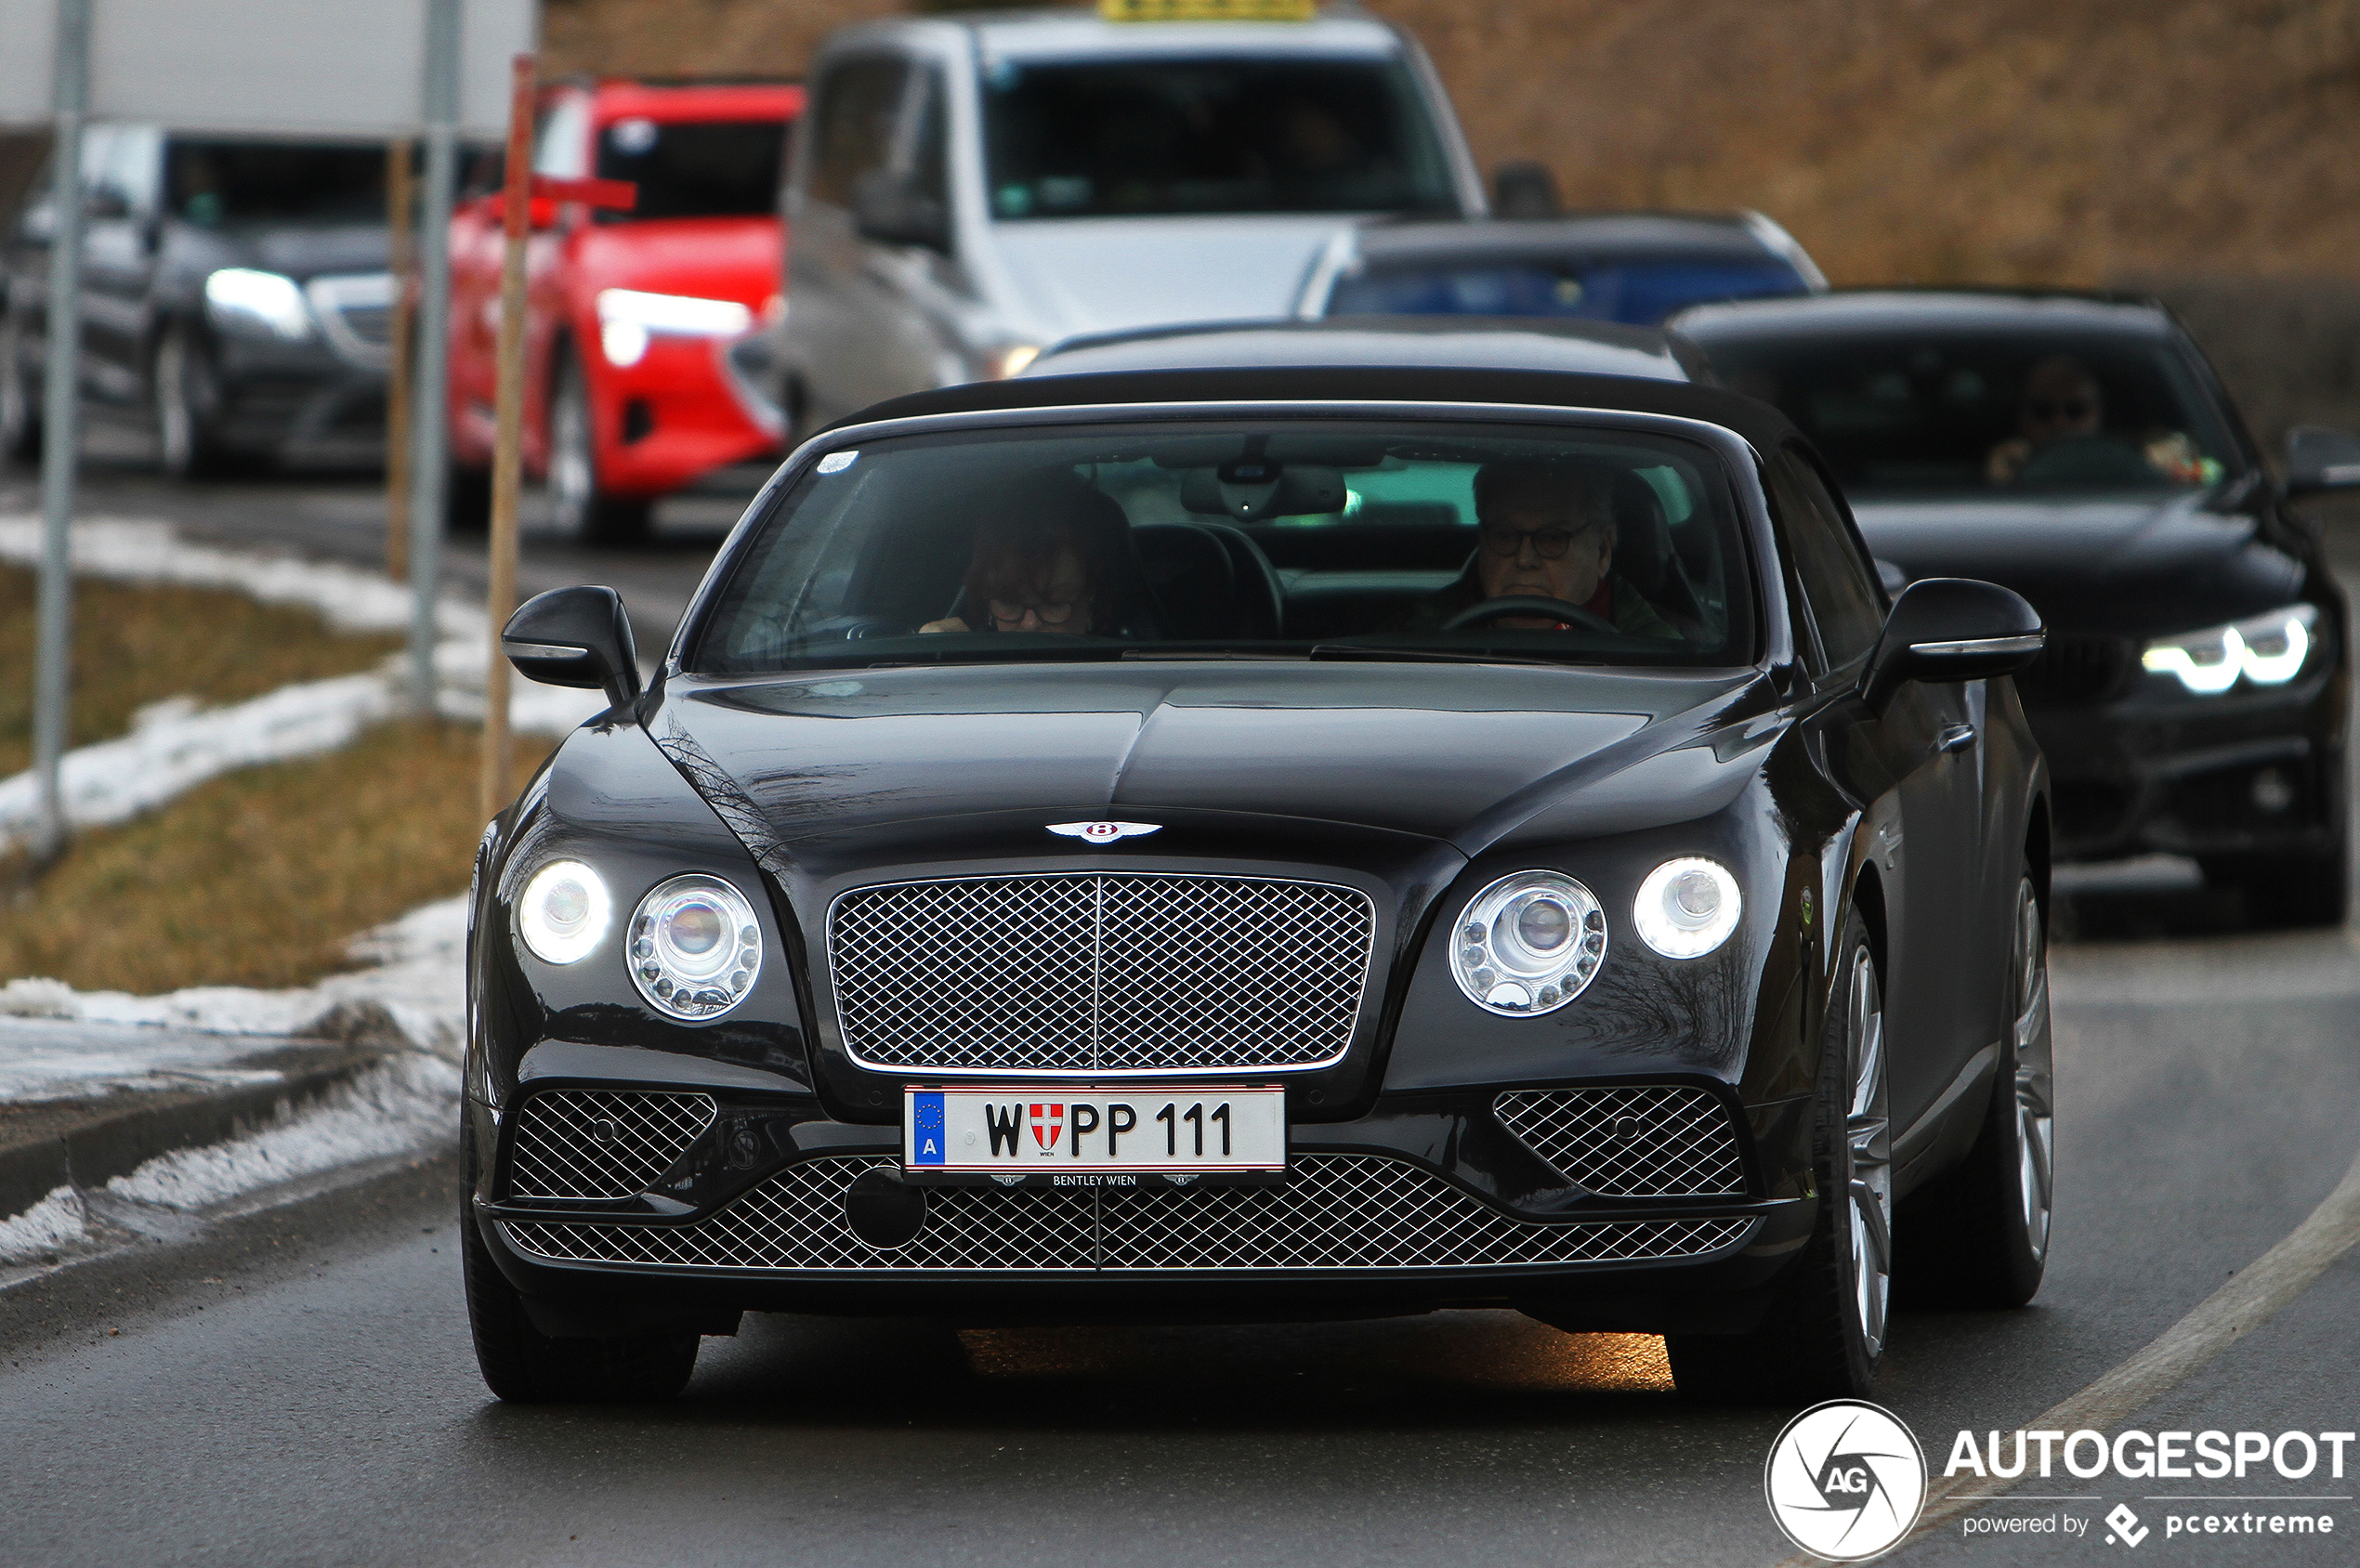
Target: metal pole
507,455
61,434
430,387
401,204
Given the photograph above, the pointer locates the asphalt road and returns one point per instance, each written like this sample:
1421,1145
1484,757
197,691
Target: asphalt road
298,1386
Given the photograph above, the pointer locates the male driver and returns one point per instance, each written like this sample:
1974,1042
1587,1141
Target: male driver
1547,531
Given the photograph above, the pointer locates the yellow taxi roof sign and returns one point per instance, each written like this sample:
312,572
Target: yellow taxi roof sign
1208,10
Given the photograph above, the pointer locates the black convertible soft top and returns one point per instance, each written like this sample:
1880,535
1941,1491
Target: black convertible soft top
1756,421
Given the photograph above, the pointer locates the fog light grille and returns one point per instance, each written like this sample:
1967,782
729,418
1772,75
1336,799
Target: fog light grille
1654,1141
601,1144
1335,1212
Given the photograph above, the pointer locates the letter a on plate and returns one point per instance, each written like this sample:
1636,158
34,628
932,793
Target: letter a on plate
1104,833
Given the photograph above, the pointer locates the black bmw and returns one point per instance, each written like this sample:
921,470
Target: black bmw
1271,842
2195,695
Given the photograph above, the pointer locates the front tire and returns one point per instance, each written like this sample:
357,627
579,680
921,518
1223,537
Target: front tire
523,1365
20,405
185,394
1986,1225
1823,1334
583,507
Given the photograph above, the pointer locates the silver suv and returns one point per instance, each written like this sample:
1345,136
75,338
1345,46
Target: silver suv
968,190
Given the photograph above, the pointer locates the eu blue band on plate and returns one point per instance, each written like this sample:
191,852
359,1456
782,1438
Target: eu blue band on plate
926,1142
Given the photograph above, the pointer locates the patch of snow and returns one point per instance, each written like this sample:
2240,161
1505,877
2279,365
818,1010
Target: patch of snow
415,994
176,745
55,1224
402,1106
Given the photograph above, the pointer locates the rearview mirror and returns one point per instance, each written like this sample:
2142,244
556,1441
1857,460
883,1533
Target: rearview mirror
575,637
2321,460
1951,629
887,206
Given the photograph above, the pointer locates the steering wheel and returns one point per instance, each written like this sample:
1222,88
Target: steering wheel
1556,609
852,628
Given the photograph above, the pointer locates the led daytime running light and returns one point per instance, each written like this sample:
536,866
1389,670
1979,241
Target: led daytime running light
565,911
1688,907
2266,649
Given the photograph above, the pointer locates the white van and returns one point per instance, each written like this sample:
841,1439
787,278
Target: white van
968,190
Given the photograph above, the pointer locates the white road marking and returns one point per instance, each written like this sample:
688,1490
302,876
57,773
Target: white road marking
2251,1299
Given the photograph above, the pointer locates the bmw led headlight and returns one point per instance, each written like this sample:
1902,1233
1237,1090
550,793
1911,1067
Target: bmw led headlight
563,911
2268,649
1687,907
241,299
695,947
1528,944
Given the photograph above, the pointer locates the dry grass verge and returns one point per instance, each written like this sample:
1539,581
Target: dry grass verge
135,644
261,877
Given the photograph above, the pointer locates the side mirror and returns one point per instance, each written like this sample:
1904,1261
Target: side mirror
575,637
1951,629
2321,460
1524,189
888,207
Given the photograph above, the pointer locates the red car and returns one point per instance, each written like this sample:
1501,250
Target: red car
630,391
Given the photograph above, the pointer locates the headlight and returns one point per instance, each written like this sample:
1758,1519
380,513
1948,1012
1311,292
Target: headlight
563,911
2266,649
1528,944
241,299
627,318
1688,907
695,947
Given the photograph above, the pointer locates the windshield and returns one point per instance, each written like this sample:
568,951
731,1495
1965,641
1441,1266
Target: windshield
214,183
694,168
1989,411
1300,539
1133,138
1639,292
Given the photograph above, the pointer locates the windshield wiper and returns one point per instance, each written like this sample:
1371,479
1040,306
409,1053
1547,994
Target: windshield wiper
1384,653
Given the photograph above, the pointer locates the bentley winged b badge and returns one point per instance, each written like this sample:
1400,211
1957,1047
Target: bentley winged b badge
1104,833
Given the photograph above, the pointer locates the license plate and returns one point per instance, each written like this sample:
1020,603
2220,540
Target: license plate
1066,1138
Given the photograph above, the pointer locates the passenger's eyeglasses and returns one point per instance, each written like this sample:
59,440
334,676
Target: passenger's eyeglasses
1549,544
2045,409
1008,612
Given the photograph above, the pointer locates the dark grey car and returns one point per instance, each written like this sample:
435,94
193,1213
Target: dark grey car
235,298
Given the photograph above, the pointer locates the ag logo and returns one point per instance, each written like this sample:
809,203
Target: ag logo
2126,1526
1104,833
1845,1479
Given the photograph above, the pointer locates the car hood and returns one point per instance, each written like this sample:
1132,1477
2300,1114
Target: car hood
2113,564
734,259
303,253
926,758
1073,276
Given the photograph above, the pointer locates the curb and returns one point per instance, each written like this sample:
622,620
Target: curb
114,1141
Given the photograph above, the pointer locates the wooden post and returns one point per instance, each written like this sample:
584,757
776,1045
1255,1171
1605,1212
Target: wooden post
500,599
402,200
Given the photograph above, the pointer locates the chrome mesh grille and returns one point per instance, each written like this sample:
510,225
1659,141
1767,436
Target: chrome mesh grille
1099,972
1336,1211
1654,1141
601,1144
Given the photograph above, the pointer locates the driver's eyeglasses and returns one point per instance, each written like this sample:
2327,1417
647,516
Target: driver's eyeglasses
1007,612
1549,544
2045,409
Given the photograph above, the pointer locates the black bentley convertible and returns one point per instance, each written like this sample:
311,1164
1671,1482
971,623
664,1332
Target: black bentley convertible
1271,842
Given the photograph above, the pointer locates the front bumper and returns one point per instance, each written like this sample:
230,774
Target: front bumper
2161,771
1425,1202
298,401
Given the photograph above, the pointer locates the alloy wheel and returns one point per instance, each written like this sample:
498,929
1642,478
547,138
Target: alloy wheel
175,419
570,477
1867,1153
2036,1119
